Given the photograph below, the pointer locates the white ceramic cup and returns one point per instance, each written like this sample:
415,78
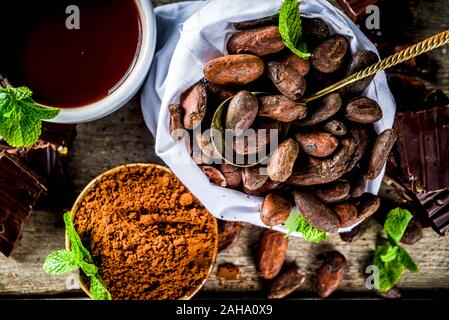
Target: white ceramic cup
128,88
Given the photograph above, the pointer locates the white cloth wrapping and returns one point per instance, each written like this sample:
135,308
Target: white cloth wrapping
192,33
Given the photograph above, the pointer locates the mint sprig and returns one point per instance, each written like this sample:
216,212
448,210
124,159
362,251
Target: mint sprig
389,257
61,262
290,28
20,117
297,223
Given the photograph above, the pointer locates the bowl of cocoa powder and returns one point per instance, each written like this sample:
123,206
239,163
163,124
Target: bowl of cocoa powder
150,238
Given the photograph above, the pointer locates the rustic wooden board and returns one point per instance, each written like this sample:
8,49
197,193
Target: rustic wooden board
123,138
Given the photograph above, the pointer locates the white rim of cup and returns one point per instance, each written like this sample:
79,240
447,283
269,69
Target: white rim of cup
130,86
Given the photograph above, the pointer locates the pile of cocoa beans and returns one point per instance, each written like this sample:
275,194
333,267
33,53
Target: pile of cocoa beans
328,149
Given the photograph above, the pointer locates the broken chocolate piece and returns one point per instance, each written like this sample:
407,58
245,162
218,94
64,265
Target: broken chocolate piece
422,149
355,9
435,206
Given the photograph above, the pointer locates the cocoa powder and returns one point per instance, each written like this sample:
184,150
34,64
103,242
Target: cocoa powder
148,235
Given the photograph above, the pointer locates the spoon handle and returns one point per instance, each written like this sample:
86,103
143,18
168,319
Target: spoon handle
415,50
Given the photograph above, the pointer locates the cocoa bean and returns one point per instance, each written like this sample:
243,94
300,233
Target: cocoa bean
330,273
314,29
232,174
413,233
287,80
347,214
366,205
317,144
261,41
207,149
380,152
175,120
393,293
275,210
257,23
316,212
330,55
362,138
268,186
358,184
281,108
297,63
363,110
228,234
333,192
194,102
242,111
218,92
272,252
254,177
215,176
250,141
326,170
280,165
239,69
286,283
335,127
325,108
355,233
360,60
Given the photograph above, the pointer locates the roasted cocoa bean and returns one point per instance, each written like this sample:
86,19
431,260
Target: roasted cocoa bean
362,137
272,252
206,147
232,174
239,69
287,80
363,110
326,170
281,108
330,273
267,187
218,92
286,283
330,55
275,210
380,152
175,121
354,234
260,42
297,63
413,233
360,60
315,30
228,234
366,205
194,102
280,165
242,111
331,193
257,23
316,143
347,214
254,178
326,108
393,293
316,212
215,176
358,184
335,127
251,141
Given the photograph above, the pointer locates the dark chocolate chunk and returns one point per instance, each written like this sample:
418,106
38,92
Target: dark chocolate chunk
435,206
355,9
422,149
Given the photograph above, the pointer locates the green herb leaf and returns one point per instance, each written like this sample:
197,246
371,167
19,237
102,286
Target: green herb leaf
290,28
88,268
76,246
98,289
297,223
60,262
396,224
390,255
389,272
20,117
407,261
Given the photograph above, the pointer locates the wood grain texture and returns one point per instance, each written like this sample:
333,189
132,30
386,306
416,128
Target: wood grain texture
123,138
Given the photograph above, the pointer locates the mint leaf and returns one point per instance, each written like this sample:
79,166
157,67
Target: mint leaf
20,117
290,28
60,262
407,260
396,224
88,268
389,272
297,223
76,245
390,255
98,289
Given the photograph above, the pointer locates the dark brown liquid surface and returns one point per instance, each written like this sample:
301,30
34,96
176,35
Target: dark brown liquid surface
68,68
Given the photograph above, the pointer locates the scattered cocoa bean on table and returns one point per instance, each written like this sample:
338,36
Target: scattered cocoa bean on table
272,252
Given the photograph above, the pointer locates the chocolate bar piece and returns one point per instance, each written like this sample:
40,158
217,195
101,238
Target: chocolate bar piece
435,206
20,188
355,9
422,149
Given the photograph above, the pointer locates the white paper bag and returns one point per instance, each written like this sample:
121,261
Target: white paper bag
192,33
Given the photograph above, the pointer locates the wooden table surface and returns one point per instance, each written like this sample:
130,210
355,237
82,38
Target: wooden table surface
123,138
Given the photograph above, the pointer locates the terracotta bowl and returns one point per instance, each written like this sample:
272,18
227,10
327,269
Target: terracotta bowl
76,206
